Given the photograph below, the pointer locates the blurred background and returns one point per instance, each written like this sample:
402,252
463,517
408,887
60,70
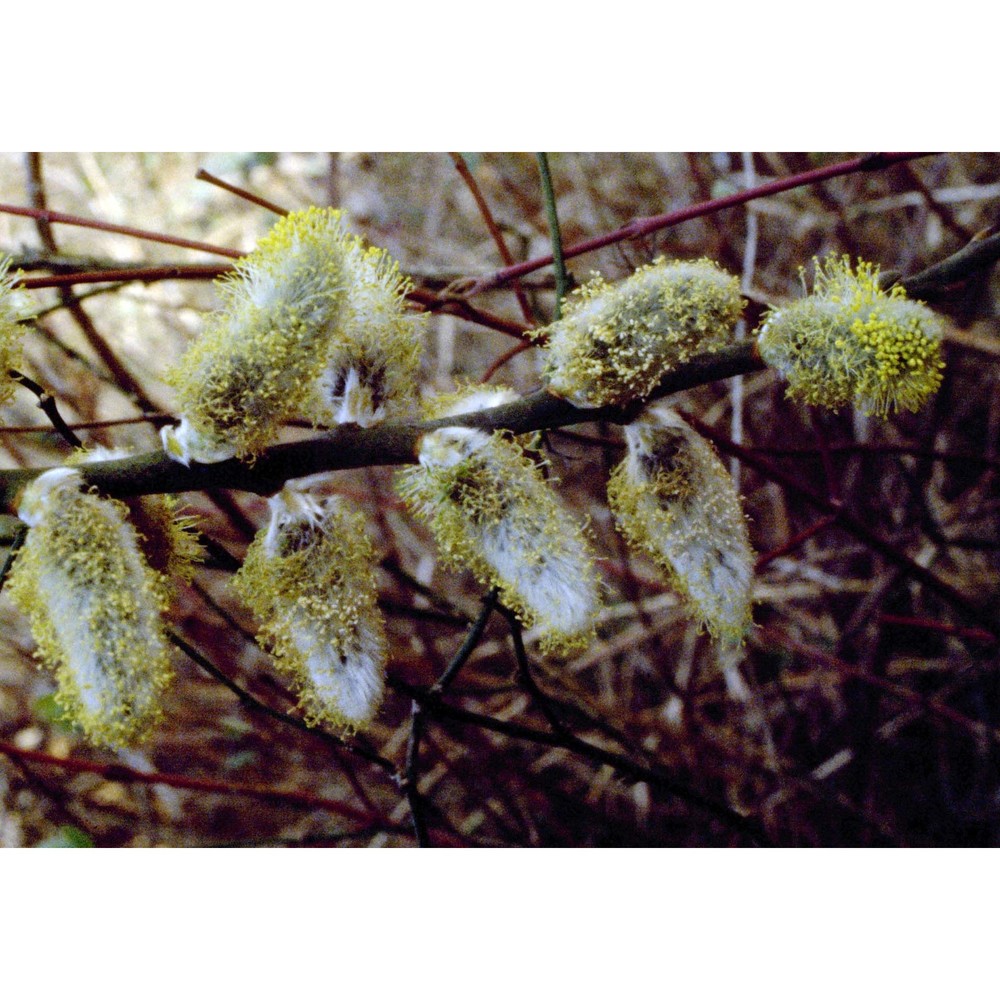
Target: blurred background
864,706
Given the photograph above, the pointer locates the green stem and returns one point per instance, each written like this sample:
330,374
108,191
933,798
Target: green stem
562,285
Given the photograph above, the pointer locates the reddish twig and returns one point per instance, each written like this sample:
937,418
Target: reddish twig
254,199
795,541
650,224
186,272
501,244
119,772
48,215
963,632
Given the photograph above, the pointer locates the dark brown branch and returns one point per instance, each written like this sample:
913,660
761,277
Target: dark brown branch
353,447
47,404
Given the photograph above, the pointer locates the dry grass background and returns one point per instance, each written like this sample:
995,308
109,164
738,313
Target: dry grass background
864,708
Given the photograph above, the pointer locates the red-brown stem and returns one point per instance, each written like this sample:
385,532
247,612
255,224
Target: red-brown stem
650,224
499,362
978,634
90,425
254,199
119,772
459,307
484,209
48,215
186,272
794,542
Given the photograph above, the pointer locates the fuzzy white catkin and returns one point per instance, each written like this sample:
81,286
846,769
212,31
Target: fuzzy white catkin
95,608
310,579
255,364
674,500
615,342
491,511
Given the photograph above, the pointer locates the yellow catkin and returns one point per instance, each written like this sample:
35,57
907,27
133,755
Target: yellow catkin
674,500
10,330
255,364
492,512
310,579
373,363
95,608
616,342
168,538
852,342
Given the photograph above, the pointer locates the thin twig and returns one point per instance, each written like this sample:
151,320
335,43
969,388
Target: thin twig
555,233
409,783
254,199
122,773
644,226
501,244
48,215
47,404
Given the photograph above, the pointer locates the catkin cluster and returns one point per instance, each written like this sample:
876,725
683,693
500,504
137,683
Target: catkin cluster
313,324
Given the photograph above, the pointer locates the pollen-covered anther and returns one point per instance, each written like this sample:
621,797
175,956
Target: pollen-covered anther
852,342
673,500
310,579
371,372
11,308
168,538
95,608
491,511
616,342
255,364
